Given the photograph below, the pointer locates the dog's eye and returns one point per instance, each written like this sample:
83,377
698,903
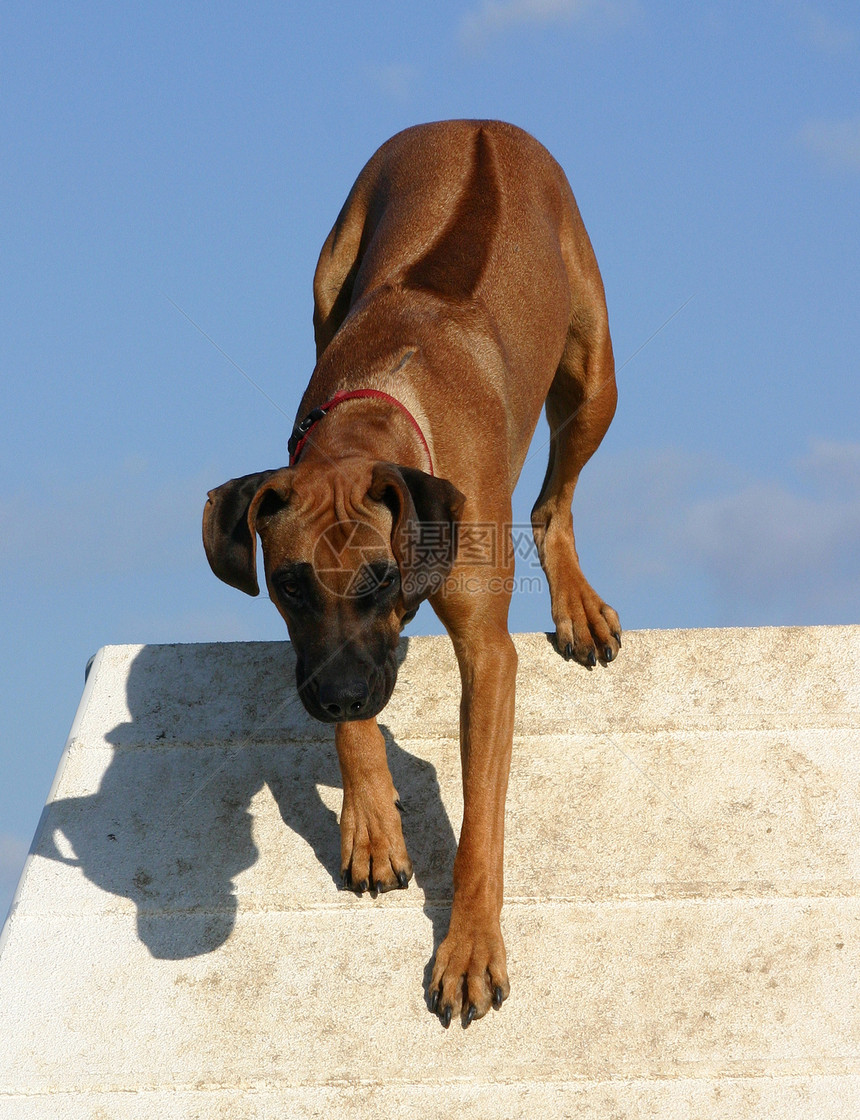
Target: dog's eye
290,588
387,581
376,583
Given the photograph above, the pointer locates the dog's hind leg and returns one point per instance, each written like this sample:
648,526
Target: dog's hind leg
336,270
579,407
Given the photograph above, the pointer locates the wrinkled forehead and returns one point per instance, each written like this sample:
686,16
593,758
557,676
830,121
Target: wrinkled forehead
349,544
330,519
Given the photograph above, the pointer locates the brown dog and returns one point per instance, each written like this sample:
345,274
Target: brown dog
457,293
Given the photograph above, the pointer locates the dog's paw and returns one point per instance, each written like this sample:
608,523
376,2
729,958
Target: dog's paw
470,971
373,851
587,629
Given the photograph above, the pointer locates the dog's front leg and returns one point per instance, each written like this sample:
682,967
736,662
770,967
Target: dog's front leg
470,971
372,850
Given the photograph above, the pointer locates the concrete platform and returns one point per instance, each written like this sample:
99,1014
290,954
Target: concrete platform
681,916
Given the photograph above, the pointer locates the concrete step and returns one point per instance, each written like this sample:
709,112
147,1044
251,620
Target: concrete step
681,915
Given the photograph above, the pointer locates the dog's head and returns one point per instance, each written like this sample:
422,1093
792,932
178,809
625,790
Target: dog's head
350,552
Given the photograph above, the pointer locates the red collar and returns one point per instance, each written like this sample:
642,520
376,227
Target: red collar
303,427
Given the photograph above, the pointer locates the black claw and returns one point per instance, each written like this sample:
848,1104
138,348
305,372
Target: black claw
568,652
497,997
471,1014
362,886
379,886
607,653
592,659
617,637
398,805
346,879
403,880
446,1017
434,1000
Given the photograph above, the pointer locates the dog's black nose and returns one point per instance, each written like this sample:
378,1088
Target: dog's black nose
343,699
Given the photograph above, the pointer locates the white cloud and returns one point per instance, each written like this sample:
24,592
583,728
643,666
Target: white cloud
836,465
835,143
792,543
494,17
640,501
768,537
765,550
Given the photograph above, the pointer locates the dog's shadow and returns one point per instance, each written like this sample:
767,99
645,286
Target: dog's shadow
170,826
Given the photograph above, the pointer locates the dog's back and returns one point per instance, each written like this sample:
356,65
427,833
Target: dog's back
477,215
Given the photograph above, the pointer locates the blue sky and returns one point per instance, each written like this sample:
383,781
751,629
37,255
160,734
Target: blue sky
193,156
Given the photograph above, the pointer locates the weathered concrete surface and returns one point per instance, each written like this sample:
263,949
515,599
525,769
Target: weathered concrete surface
681,913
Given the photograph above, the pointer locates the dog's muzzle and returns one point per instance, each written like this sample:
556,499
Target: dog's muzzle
345,690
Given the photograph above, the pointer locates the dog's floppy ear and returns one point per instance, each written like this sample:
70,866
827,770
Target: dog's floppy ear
425,512
229,526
